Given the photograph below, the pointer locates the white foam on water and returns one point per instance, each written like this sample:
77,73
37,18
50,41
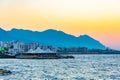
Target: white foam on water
83,67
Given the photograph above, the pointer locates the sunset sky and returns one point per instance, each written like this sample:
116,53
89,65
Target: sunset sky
97,18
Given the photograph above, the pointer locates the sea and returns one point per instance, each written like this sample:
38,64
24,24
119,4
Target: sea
83,67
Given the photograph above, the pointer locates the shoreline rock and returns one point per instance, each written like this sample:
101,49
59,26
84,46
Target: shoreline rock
3,72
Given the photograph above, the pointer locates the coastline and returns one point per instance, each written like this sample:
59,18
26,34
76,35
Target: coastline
65,56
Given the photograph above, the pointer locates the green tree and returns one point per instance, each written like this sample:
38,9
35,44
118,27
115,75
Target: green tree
3,49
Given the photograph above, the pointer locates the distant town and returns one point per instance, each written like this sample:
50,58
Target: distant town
14,48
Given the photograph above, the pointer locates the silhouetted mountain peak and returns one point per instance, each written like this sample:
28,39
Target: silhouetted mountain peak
14,29
51,37
1,29
85,36
49,30
53,31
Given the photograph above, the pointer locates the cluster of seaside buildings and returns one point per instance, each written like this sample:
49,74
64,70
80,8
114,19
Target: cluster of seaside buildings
15,47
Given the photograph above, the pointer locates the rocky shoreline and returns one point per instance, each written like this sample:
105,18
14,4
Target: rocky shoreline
3,72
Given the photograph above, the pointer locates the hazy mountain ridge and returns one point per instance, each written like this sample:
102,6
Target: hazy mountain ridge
50,37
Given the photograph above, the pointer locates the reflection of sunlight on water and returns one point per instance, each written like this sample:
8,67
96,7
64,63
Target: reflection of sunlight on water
83,67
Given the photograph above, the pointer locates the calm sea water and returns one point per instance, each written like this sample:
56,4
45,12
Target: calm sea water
83,67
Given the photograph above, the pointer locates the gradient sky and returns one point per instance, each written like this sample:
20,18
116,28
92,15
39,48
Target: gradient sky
97,18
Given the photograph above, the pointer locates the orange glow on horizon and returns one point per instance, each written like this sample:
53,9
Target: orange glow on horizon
97,18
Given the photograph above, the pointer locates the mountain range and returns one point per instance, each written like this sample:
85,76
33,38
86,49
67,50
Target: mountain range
50,37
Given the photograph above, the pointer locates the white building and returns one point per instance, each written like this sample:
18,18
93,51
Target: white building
39,50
